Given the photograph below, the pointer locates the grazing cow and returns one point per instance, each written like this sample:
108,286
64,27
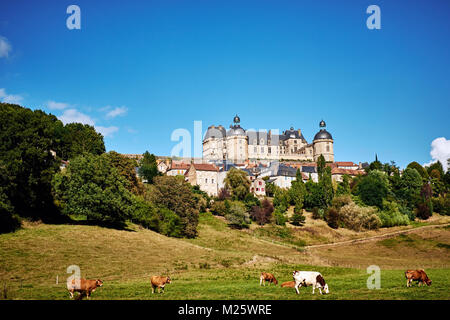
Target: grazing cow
159,282
265,276
288,284
85,287
310,278
417,275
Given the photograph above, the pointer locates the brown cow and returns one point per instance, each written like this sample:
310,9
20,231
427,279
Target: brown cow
288,284
265,276
159,282
417,275
85,288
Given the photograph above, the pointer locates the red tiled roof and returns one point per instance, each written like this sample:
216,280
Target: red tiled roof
350,172
205,167
179,166
345,164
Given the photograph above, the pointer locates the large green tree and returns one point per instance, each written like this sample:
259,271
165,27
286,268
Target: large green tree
148,168
92,186
176,195
127,169
27,139
238,183
373,188
79,138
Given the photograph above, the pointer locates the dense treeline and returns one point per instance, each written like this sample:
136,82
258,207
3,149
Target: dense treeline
99,187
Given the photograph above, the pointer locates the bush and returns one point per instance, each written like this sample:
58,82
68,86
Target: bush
223,194
237,215
357,218
332,218
262,214
424,210
340,201
219,208
145,214
170,223
280,217
250,201
391,216
298,219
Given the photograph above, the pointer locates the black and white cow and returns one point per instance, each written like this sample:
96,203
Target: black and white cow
310,278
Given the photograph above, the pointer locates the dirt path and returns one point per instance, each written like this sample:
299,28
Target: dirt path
381,236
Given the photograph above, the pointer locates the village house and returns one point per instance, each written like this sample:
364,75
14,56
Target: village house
177,168
205,176
338,173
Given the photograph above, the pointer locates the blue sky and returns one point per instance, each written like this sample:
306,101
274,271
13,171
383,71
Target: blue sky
138,70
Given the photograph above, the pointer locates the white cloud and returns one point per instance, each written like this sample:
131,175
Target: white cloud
440,150
57,105
5,47
106,131
9,98
118,111
73,115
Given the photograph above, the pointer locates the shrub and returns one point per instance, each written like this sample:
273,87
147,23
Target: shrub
280,217
374,188
340,201
424,210
223,194
298,219
357,218
219,208
391,216
144,214
332,218
262,214
316,213
237,215
250,201
170,223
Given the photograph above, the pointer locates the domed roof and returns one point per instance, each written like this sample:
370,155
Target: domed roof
236,131
215,132
323,134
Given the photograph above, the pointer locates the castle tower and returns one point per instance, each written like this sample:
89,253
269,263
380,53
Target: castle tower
236,142
323,144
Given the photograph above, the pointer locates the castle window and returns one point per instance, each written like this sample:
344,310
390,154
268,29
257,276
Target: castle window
255,141
212,181
262,149
206,180
261,141
328,148
256,149
269,150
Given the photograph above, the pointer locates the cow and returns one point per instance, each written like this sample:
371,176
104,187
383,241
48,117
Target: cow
288,284
265,276
310,278
85,287
159,282
417,275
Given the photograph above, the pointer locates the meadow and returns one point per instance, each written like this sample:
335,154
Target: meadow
221,263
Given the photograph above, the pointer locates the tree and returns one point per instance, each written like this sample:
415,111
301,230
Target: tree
148,169
237,215
176,195
238,183
78,139
92,186
373,188
421,170
27,139
298,219
332,218
409,186
262,214
297,191
320,166
425,206
344,186
126,168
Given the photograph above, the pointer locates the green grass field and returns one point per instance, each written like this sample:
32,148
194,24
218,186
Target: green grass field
221,263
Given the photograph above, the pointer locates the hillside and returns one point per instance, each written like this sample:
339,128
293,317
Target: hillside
33,257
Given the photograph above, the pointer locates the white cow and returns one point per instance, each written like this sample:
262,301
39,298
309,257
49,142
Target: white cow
310,278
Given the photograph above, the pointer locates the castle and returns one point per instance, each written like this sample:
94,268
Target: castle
238,145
